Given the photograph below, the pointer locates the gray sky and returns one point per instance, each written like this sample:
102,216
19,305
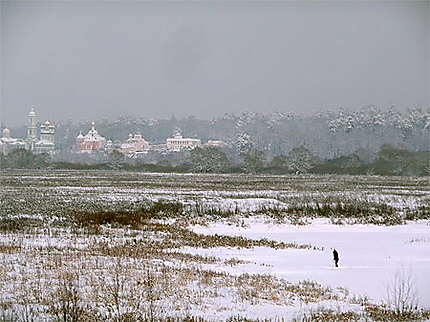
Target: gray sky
94,59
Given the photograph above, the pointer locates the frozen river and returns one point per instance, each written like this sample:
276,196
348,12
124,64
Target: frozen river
370,256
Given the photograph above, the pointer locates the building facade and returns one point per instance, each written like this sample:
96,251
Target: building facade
47,138
47,132
31,130
178,143
46,144
134,143
215,144
8,144
91,141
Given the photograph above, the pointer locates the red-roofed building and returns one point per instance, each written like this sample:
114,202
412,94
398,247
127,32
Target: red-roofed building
91,141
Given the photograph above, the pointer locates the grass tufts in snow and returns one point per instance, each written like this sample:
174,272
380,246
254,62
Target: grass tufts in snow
382,313
341,212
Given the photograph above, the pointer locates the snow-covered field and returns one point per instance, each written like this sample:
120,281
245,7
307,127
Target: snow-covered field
236,245
370,255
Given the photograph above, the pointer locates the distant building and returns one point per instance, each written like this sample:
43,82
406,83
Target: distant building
91,141
46,143
8,144
160,148
31,130
109,146
178,143
134,143
215,144
47,139
47,132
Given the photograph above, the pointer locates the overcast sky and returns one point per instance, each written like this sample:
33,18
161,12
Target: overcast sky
94,59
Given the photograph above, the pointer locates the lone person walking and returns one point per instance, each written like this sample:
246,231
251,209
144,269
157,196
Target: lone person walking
335,257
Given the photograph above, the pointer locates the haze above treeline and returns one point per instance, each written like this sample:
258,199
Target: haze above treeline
95,59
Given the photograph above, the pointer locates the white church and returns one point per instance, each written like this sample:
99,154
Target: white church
46,143
9,144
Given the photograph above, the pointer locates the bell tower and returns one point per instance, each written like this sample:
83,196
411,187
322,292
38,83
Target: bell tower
31,129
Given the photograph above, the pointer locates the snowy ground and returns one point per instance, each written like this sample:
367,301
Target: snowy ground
370,255
41,246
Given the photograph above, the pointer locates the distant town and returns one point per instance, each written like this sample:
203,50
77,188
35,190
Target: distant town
93,141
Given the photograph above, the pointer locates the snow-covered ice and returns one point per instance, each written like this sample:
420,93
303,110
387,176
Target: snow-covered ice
370,255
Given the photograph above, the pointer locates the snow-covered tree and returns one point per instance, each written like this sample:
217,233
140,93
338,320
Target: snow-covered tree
208,160
301,160
243,142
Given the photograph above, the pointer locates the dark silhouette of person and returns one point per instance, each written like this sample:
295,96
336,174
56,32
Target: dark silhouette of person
335,257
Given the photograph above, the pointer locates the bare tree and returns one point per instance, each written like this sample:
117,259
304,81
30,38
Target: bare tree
401,294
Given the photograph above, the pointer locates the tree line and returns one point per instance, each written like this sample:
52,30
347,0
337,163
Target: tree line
389,161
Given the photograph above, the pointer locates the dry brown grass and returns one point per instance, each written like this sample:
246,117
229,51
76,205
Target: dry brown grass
125,274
